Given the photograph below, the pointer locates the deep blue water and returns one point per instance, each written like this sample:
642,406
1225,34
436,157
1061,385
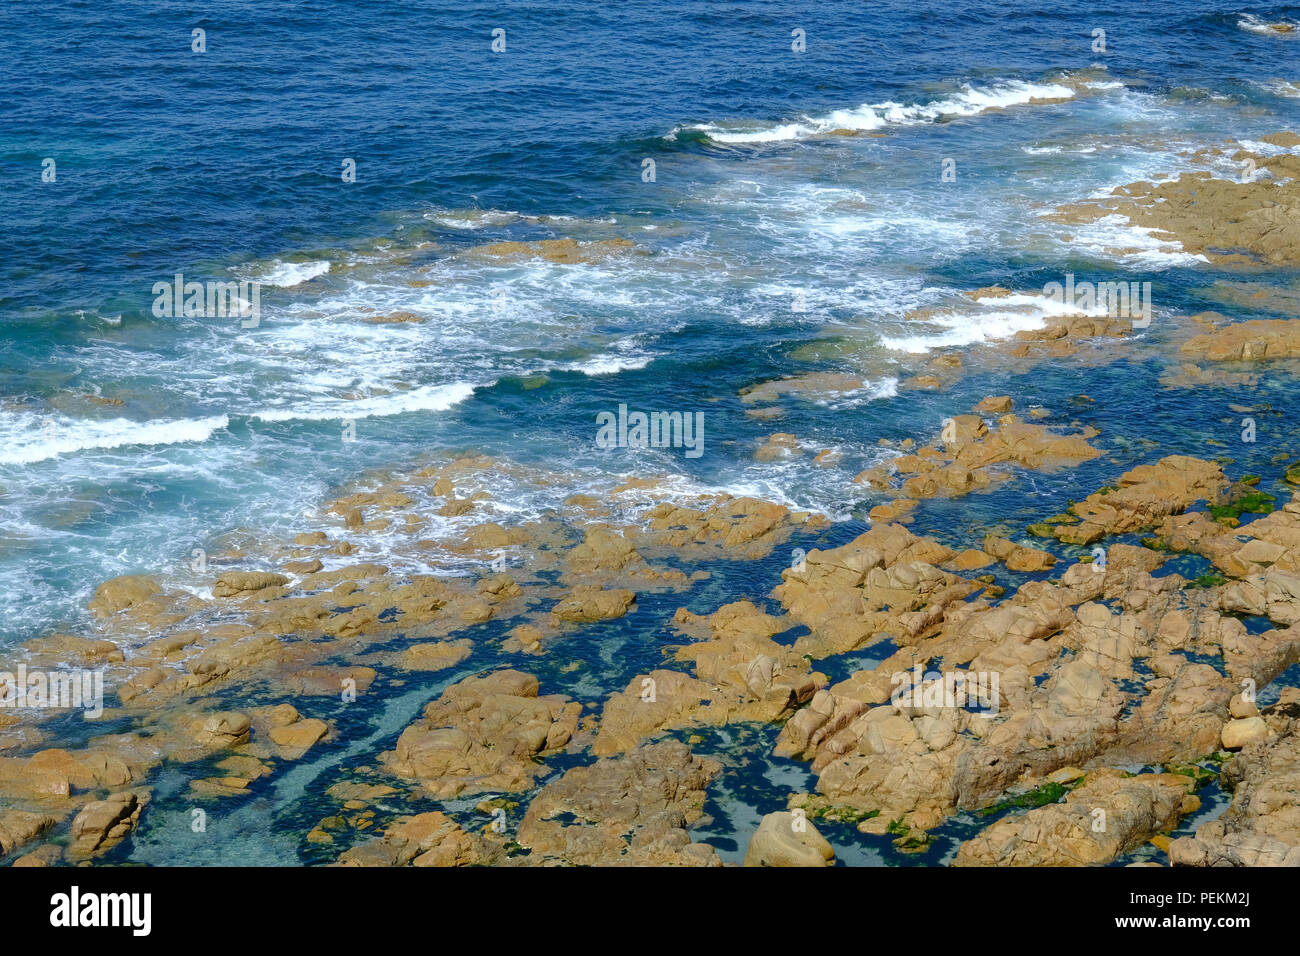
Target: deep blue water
227,163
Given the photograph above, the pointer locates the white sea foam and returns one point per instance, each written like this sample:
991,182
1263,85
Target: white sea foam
1253,24
967,328
289,274
871,391
35,439
1044,304
113,320
769,134
1055,150
1114,237
1266,149
430,398
969,101
795,482
472,218
608,364
1000,318
1279,87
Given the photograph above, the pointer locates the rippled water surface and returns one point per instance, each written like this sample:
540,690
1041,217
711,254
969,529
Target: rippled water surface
768,242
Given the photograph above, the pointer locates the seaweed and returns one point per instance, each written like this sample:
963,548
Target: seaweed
1200,775
1256,503
1040,796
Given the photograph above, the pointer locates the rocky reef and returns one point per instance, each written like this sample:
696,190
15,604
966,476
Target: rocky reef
1069,692
1103,665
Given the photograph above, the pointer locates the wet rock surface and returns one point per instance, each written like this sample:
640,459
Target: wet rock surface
914,671
1223,220
630,810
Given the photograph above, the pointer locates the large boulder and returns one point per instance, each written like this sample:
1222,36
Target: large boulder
784,839
104,824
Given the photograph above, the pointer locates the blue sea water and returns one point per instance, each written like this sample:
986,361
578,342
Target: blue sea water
227,164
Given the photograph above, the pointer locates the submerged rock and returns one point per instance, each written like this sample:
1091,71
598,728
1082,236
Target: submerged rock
1252,341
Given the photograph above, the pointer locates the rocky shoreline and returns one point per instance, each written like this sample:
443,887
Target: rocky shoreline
1062,646
1121,689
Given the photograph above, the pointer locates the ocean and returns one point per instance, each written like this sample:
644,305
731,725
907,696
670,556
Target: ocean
228,164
